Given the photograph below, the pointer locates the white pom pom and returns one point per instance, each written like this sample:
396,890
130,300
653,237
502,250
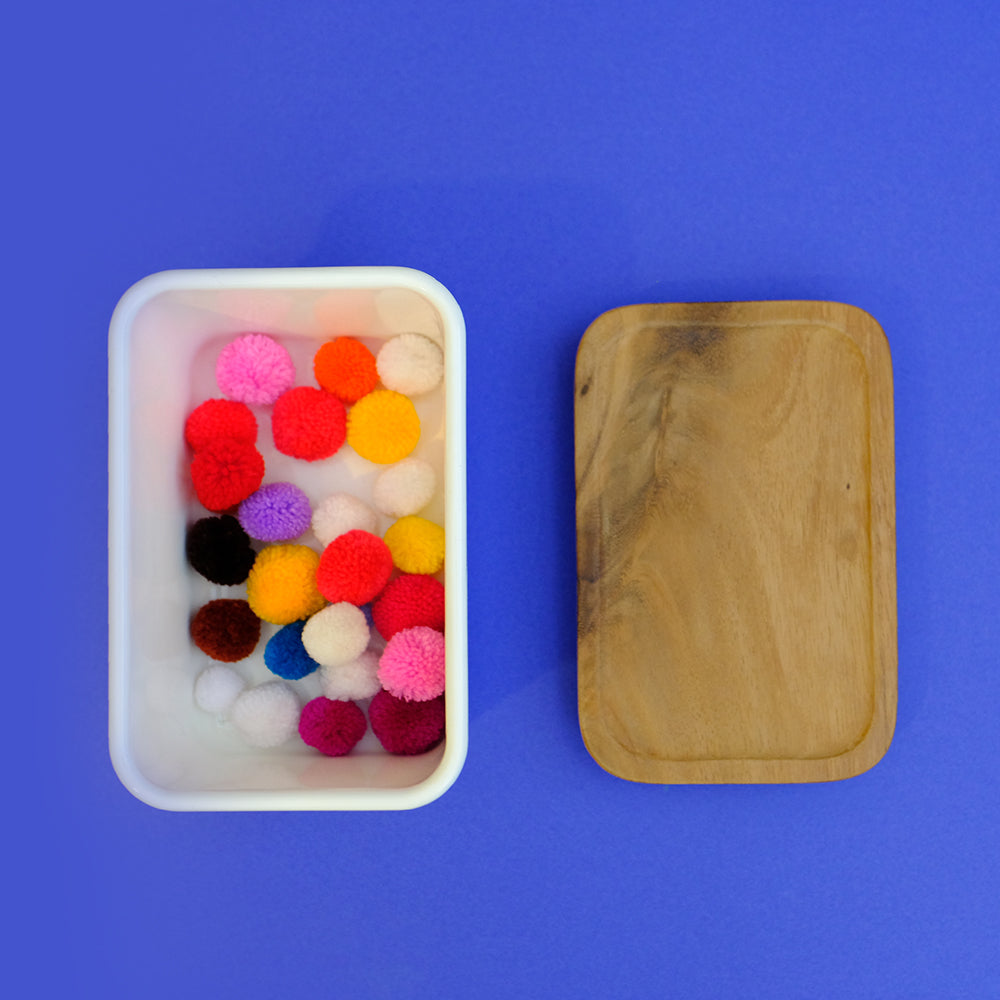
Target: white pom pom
352,681
340,513
410,364
216,688
266,715
405,488
337,634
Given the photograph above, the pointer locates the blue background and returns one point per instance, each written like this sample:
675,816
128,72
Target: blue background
546,162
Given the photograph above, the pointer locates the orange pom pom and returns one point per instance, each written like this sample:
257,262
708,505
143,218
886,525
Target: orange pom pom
346,368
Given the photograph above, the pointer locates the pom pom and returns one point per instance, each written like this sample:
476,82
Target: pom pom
352,681
226,630
412,665
219,549
216,688
308,423
407,727
254,369
277,512
220,418
383,427
346,368
354,567
417,545
266,715
332,727
336,635
225,472
411,364
281,587
405,488
408,601
285,655
340,513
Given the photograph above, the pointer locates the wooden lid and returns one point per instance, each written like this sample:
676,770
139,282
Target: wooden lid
735,542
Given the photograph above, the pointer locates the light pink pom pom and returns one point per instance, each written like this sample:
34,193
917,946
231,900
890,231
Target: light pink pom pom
254,369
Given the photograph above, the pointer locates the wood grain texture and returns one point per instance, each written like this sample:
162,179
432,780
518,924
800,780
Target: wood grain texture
735,542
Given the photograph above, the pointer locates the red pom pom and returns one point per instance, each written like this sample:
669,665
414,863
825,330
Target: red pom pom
409,600
226,472
354,567
308,423
407,727
332,727
220,418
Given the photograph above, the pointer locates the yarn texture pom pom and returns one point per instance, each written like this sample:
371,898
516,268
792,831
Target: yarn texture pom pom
226,630
346,368
407,601
352,681
254,369
417,545
340,513
281,587
219,549
285,656
217,688
267,715
332,727
220,418
411,364
412,665
405,488
277,512
407,727
308,423
336,635
354,567
383,427
225,472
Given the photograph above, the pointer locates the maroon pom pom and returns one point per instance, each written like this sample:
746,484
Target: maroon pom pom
308,423
409,600
354,567
332,727
226,630
407,728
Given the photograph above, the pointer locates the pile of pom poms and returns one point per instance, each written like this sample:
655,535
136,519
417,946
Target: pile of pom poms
359,619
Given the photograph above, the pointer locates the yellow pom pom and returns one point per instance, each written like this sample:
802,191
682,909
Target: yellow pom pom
383,427
416,544
281,587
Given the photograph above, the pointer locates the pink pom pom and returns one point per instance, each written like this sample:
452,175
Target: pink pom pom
254,369
412,666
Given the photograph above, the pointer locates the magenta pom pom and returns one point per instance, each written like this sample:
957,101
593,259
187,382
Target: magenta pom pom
277,512
254,369
412,665
332,727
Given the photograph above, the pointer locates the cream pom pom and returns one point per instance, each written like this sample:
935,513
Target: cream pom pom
216,688
266,715
336,635
405,488
352,681
340,513
410,364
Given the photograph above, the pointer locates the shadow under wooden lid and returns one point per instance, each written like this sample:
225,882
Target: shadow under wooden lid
735,542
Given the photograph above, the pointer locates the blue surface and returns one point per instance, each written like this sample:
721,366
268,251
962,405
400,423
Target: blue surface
546,162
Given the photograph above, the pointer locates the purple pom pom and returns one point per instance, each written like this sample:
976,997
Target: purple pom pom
277,512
